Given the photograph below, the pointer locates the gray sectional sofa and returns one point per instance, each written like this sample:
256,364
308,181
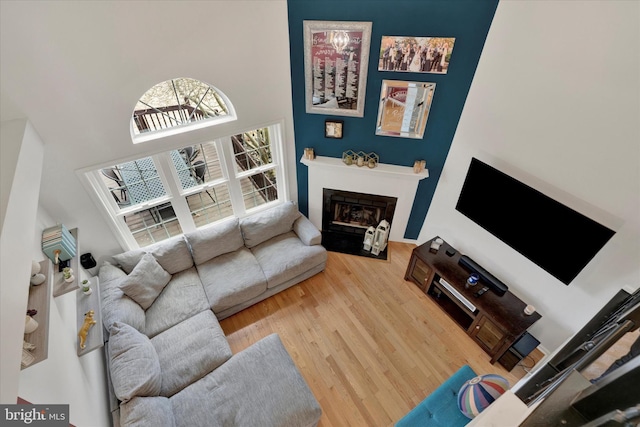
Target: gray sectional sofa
169,362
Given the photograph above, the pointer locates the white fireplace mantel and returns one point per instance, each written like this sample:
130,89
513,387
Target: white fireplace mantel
405,172
384,180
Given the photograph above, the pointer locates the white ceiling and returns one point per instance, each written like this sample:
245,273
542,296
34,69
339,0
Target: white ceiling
76,69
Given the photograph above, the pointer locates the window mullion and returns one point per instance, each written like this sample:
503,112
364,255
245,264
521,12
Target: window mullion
228,166
256,170
278,158
171,182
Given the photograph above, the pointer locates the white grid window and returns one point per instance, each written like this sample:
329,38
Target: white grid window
156,197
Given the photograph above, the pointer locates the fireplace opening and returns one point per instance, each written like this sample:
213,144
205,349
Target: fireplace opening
347,215
356,215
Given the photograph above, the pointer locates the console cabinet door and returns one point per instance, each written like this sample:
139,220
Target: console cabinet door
420,273
488,335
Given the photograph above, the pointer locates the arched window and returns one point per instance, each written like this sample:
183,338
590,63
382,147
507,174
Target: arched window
178,105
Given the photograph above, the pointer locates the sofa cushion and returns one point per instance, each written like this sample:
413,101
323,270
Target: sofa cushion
109,272
189,351
145,282
215,240
263,226
128,260
133,362
116,306
260,386
147,411
182,298
173,255
284,257
231,279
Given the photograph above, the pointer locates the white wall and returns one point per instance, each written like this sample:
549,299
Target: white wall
10,144
555,102
65,378
17,137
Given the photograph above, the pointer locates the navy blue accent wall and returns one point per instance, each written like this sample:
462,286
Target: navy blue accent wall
466,20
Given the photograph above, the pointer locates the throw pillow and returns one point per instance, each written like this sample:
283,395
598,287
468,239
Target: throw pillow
145,282
134,365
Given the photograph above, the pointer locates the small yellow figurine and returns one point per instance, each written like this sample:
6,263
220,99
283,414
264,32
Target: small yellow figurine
84,330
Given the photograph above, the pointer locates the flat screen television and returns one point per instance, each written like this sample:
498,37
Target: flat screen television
557,238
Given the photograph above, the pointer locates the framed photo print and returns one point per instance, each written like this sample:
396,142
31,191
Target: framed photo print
333,128
404,108
415,54
336,57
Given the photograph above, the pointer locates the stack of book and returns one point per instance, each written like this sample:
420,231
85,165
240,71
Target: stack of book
58,243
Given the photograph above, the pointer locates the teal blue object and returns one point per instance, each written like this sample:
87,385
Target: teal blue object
440,408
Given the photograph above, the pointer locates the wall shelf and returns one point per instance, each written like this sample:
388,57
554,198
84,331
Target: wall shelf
84,303
60,287
39,299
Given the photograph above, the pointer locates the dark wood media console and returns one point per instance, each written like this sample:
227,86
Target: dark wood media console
494,322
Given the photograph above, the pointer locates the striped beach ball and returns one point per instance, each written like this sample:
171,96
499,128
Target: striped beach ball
479,392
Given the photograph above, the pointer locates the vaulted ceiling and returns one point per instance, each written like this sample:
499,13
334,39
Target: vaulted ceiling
76,69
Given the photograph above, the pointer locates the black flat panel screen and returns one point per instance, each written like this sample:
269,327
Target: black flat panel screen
557,238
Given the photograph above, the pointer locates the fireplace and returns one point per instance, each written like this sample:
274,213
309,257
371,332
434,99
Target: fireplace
347,215
400,182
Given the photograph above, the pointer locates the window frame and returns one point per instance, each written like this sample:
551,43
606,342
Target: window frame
177,196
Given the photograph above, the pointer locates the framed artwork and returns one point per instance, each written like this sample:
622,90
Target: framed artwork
404,108
333,128
336,57
415,54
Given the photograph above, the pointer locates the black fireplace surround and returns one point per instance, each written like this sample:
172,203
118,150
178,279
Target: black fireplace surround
346,216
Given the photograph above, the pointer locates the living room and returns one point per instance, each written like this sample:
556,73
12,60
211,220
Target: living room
545,90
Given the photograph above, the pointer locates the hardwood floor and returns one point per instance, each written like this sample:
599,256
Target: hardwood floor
370,345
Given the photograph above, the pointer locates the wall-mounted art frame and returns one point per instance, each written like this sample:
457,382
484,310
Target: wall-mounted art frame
333,128
415,54
336,57
404,108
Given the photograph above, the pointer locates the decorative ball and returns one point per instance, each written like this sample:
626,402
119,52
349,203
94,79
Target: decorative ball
35,268
479,392
30,325
38,279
